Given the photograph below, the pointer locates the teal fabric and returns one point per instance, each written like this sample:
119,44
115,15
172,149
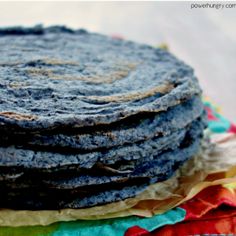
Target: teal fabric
117,227
216,122
221,126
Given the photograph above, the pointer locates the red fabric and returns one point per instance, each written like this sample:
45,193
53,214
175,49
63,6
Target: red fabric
210,114
219,221
208,199
203,215
136,231
232,128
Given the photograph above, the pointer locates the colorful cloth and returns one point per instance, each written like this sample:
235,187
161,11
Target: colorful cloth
209,199
203,214
112,227
216,122
220,221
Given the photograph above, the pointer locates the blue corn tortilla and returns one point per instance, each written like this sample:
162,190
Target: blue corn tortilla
50,198
86,119
62,80
12,157
120,133
152,169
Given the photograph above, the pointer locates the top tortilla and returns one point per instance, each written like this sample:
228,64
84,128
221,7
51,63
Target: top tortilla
58,78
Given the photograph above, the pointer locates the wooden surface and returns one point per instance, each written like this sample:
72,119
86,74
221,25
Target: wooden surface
204,38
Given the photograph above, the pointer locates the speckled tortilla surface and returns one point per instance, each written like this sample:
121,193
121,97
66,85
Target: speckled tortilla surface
62,79
86,119
158,168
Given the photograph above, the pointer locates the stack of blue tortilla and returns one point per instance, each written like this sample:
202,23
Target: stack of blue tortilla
87,119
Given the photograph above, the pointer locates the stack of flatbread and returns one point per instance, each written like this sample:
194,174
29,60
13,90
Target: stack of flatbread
87,119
